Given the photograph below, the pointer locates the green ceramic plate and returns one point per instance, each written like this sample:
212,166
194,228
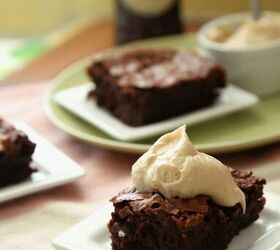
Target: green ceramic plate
246,129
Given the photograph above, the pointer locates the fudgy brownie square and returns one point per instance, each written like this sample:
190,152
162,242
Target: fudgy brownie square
144,220
15,155
142,86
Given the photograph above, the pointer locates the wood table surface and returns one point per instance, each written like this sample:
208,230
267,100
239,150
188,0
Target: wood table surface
107,172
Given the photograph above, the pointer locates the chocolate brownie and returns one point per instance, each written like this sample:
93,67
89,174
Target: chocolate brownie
15,155
142,86
149,221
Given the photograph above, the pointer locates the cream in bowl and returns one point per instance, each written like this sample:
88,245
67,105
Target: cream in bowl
249,33
249,49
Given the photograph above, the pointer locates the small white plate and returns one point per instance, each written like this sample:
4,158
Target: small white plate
54,169
75,100
92,233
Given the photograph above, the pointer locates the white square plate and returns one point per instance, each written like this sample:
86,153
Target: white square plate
54,169
92,233
75,100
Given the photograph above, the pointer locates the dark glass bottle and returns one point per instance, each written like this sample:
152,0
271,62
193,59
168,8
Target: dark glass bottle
138,19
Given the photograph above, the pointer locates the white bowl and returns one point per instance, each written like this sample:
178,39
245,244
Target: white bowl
256,68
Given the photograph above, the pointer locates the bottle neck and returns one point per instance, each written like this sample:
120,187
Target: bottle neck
148,8
133,24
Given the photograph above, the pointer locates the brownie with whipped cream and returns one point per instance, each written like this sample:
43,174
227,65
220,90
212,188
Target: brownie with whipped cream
142,86
183,199
15,155
148,220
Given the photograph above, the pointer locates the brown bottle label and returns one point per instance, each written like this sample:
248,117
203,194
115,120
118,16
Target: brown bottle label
148,7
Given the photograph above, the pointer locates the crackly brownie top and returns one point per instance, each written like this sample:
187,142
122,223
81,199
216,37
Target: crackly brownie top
131,201
161,68
12,140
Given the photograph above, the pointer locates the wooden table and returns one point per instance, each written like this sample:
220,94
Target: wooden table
107,172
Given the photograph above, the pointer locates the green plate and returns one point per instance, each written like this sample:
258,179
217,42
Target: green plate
246,129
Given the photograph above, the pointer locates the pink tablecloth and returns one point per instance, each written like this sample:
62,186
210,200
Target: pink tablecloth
107,172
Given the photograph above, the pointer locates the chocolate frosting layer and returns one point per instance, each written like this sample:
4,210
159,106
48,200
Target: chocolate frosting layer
152,203
157,68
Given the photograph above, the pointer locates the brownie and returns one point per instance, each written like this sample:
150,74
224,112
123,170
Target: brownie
143,220
142,86
15,155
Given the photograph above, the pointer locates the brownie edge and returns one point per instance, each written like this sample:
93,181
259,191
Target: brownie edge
15,155
143,220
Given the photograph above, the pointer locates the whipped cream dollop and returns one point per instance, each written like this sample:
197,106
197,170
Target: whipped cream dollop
173,167
255,32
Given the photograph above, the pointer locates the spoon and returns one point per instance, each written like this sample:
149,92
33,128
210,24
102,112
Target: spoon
256,9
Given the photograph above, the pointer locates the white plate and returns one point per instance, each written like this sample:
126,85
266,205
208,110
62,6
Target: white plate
75,100
54,167
92,233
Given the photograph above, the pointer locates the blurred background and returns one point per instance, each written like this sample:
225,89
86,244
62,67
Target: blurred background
29,28
29,17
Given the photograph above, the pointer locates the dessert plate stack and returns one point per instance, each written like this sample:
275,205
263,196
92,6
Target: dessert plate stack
75,100
258,123
92,233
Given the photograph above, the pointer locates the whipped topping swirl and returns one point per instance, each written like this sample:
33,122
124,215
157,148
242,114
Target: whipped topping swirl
250,32
173,167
